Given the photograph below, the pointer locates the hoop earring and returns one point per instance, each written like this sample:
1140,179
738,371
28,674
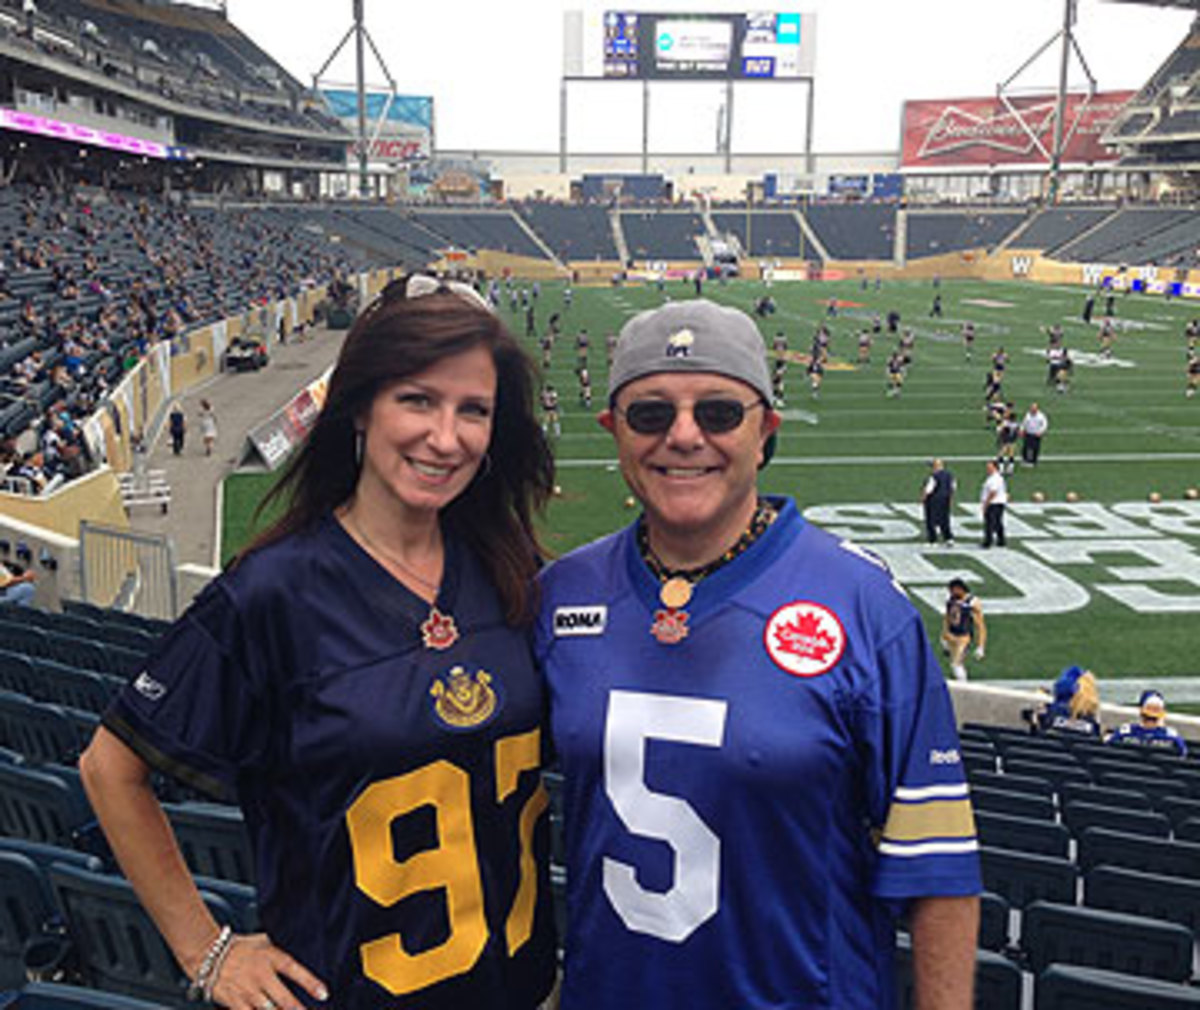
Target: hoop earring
360,440
485,467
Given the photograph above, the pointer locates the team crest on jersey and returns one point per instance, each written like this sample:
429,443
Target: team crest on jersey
804,638
462,700
670,626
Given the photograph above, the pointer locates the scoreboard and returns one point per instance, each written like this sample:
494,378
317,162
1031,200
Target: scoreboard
635,45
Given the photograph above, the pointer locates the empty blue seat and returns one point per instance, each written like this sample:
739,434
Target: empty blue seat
1155,788
1024,877
1097,938
1173,899
1059,774
41,806
1012,783
1123,799
1078,816
52,996
1023,834
40,731
997,980
213,840
1188,831
16,673
1002,801
67,685
993,921
1072,987
1098,846
117,946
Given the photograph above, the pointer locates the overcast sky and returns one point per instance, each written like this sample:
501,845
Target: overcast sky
494,66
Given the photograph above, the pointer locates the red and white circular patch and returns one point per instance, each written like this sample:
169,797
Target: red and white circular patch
804,638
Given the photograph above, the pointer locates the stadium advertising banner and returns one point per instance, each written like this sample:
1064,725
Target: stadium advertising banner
400,126
963,133
759,45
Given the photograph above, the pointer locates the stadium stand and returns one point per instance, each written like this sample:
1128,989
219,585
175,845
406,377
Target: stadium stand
496,230
1124,237
1071,987
942,232
1056,226
771,233
854,231
667,235
573,232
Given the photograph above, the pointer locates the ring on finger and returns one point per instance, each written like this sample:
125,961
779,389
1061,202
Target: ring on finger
268,1004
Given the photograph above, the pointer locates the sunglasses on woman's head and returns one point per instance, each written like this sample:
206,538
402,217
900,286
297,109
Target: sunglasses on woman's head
715,415
413,286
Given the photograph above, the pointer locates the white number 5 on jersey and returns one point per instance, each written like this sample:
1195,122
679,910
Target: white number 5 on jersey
692,899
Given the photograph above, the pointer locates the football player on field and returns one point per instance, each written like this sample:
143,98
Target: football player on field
761,767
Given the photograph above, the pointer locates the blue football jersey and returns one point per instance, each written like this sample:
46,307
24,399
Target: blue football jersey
1134,734
752,788
391,791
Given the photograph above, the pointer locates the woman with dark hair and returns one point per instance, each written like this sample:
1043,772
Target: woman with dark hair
361,682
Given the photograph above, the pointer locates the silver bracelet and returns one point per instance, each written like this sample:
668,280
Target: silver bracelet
216,952
211,983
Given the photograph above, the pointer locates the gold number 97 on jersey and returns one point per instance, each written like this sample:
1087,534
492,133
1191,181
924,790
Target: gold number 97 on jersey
453,866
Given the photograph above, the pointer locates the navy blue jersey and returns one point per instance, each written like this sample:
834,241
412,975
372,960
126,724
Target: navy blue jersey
391,791
1134,734
747,808
960,615
1057,718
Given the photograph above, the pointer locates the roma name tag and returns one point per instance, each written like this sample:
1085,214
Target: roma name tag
569,621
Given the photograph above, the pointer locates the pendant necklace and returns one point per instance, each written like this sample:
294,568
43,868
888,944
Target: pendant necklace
438,630
677,586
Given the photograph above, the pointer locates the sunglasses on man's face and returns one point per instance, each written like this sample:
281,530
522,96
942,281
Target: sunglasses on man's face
715,415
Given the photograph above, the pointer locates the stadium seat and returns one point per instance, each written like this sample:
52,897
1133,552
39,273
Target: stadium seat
1116,941
213,839
28,909
977,761
1156,789
40,806
117,946
1072,987
83,689
1024,877
1059,774
16,673
52,996
1098,846
1078,815
1012,783
997,980
1040,750
1125,763
993,921
81,653
1002,801
24,638
1174,899
1179,809
43,733
1022,834
1123,799
1188,831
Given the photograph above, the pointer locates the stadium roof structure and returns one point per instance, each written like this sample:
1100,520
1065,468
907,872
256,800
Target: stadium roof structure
1159,128
1189,5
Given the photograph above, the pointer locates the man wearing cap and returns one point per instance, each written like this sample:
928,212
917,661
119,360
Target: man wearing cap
1151,729
761,768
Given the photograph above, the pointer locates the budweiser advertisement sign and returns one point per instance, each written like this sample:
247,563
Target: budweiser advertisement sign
966,132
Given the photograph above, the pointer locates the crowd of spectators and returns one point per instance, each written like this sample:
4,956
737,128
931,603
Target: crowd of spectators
91,280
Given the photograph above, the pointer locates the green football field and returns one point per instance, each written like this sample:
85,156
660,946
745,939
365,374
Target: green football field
1110,581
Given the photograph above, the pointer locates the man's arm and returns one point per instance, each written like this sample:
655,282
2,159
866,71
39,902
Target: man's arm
944,932
980,629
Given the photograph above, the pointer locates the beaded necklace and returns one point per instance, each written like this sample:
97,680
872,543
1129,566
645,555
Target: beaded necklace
678,584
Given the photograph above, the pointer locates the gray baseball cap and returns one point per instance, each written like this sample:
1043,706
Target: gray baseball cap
692,336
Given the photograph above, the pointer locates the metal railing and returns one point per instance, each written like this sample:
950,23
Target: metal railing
128,571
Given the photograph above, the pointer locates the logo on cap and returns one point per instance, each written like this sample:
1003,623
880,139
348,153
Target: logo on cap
804,639
680,344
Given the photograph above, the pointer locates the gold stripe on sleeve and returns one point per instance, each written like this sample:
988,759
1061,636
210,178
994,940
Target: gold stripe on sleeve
914,822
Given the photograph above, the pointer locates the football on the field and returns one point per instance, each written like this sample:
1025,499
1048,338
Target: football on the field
1072,496
1155,497
1191,494
1038,496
